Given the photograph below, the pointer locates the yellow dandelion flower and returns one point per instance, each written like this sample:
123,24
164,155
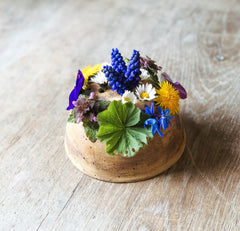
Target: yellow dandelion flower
90,71
168,97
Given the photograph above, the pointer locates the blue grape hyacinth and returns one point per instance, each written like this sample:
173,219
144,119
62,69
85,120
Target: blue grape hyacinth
157,121
118,63
120,76
116,80
133,71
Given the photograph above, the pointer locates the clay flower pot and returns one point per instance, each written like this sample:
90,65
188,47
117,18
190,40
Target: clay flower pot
121,125
156,157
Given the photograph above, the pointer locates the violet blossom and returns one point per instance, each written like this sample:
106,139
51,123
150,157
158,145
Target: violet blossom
76,90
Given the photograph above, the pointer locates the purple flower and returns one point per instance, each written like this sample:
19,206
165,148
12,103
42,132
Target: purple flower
177,86
144,63
149,64
76,90
159,68
91,95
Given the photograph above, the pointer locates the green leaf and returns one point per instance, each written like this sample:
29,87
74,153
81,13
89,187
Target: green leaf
120,129
104,87
91,129
103,105
143,118
126,61
84,93
71,117
154,79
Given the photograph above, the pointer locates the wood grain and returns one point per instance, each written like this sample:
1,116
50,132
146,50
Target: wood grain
44,43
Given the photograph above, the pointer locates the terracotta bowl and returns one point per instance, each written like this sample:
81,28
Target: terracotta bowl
91,158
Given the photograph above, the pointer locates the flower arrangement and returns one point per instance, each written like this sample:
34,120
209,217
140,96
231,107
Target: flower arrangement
146,101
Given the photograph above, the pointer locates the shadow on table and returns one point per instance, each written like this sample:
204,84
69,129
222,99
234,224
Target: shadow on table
209,146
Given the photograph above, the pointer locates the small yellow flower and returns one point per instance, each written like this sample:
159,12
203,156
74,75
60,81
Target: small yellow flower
144,95
168,97
90,71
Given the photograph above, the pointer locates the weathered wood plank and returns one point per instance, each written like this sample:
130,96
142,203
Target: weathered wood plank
42,44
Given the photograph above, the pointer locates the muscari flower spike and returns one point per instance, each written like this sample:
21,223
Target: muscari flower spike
120,76
76,90
118,63
116,80
157,121
133,71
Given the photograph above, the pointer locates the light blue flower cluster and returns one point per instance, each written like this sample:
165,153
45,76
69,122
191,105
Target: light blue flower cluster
120,76
157,121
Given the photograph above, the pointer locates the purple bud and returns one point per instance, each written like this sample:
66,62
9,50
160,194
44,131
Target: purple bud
91,95
145,64
79,119
74,103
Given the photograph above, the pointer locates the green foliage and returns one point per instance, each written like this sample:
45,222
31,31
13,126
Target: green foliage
90,126
71,117
143,118
85,93
120,129
153,76
104,87
152,69
103,105
154,80
91,129
126,61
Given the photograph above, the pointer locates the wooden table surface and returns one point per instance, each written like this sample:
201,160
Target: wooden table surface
44,43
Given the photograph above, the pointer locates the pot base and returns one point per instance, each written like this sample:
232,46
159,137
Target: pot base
159,155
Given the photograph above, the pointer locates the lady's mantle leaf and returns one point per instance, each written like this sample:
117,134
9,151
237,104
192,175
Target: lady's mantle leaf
120,129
